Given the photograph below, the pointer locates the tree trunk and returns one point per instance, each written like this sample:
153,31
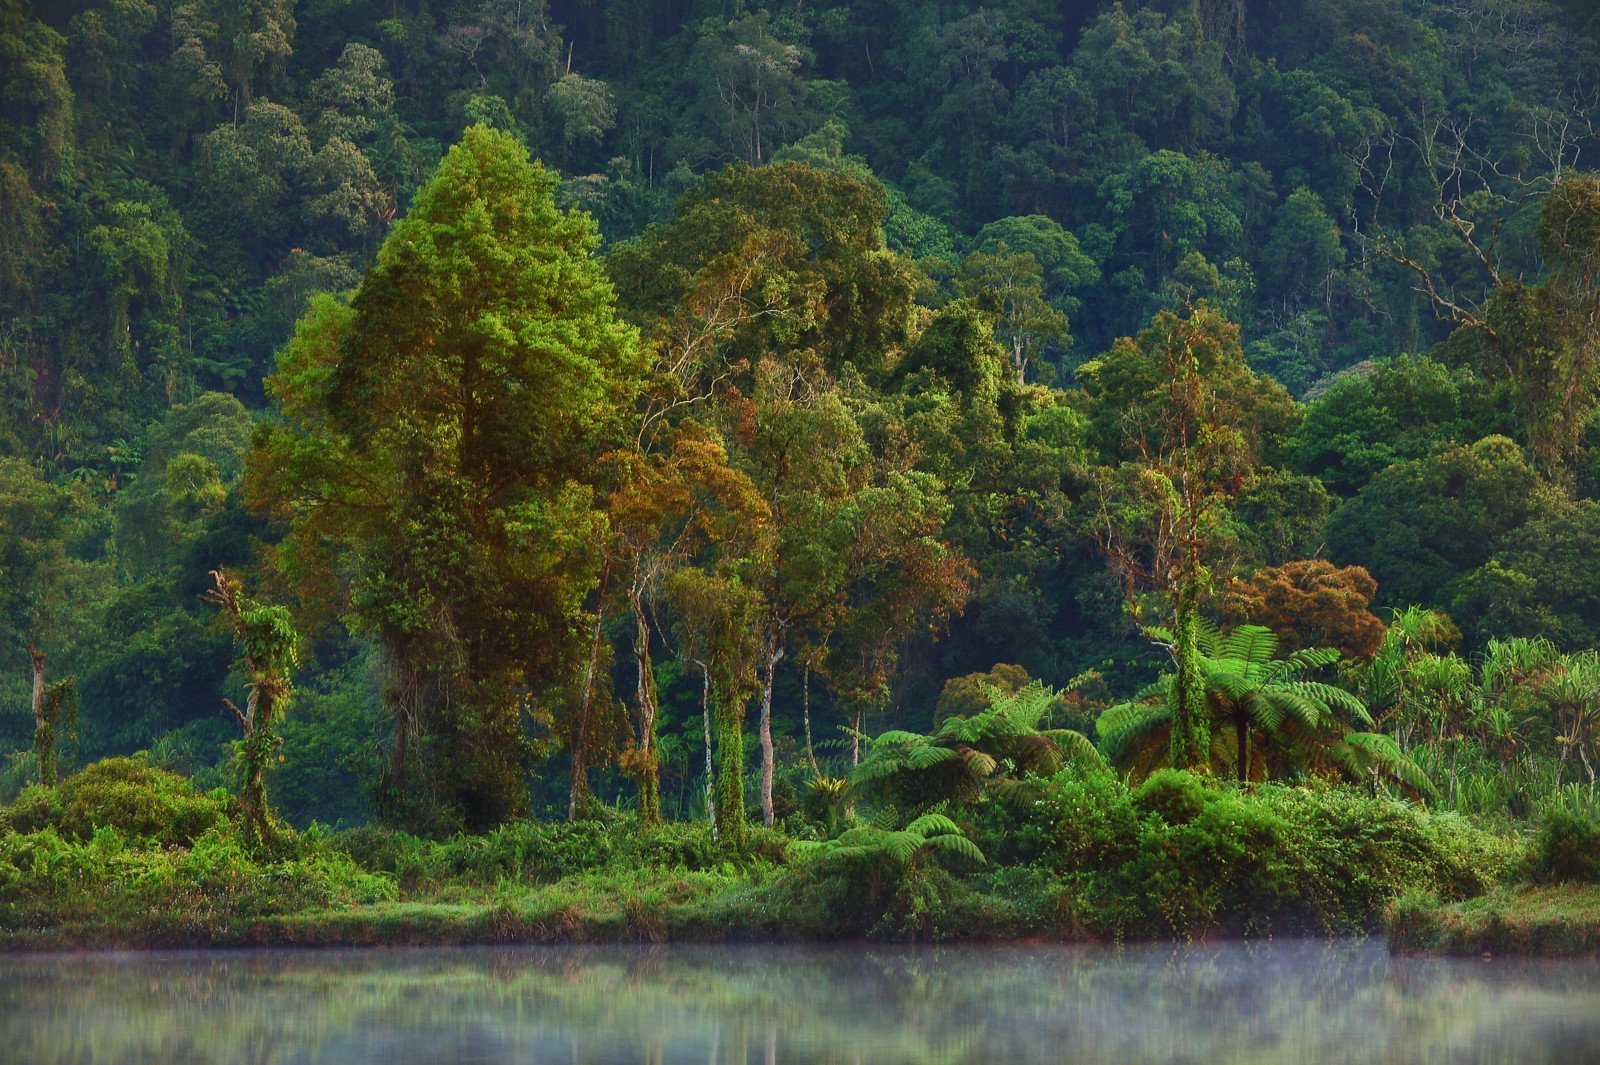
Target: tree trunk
649,773
257,725
1455,754
579,794
730,768
1191,742
1241,736
705,720
44,741
774,653
805,714
855,739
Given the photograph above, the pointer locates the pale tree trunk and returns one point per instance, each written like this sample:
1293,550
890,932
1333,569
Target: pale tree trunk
37,657
855,739
649,771
774,653
579,793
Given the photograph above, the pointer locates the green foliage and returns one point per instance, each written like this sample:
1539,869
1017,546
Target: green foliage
154,895
454,507
1567,848
965,756
1177,796
1422,525
883,880
1179,856
928,834
1394,411
1267,719
126,795
971,333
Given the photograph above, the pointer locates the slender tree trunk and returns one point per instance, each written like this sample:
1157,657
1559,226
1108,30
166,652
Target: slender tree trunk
705,720
1455,754
44,741
579,793
257,726
649,771
1241,736
774,653
1190,743
730,768
855,738
805,714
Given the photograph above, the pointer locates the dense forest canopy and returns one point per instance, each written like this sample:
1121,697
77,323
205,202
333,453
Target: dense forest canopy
518,404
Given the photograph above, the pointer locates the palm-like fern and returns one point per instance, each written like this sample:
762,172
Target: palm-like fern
1250,692
965,755
929,834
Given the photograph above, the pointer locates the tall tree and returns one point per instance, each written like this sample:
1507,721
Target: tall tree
718,630
666,506
1191,421
33,578
855,549
269,643
435,460
673,494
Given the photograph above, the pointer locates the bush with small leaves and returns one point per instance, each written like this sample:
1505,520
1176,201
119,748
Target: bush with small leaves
127,794
1567,849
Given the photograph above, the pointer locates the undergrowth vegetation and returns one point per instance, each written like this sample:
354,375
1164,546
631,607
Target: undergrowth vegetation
126,853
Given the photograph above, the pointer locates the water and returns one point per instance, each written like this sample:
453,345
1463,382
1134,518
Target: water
1286,1003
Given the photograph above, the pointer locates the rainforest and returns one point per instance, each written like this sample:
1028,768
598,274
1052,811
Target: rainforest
482,471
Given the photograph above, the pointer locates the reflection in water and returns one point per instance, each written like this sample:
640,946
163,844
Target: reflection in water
1294,1003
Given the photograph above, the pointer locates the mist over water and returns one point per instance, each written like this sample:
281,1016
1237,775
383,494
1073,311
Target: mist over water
1292,1003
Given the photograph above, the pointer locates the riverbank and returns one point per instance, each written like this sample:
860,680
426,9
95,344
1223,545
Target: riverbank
1550,920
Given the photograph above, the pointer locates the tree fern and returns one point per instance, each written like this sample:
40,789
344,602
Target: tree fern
931,833
1267,717
965,756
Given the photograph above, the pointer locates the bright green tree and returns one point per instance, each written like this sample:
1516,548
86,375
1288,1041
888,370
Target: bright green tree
1189,421
435,461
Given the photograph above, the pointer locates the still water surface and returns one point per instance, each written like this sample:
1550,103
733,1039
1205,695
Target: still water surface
1288,1003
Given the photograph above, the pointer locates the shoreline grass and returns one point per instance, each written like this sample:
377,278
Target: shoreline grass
1536,920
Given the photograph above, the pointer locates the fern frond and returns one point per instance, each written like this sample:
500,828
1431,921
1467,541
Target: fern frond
932,823
956,844
1254,644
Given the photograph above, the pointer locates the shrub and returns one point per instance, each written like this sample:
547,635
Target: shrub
1567,848
145,892
1178,857
126,794
1174,795
544,852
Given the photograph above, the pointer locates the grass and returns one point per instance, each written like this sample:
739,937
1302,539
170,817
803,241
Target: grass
1549,920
